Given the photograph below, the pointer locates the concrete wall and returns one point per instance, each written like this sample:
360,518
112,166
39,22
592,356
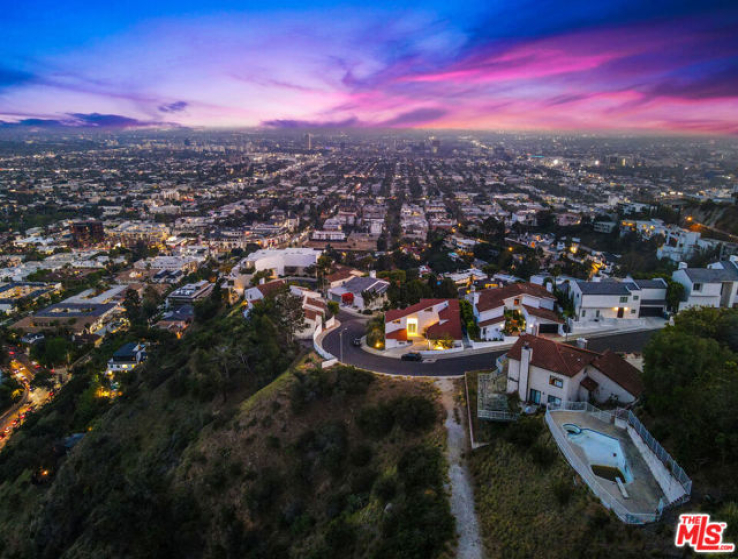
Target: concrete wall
670,486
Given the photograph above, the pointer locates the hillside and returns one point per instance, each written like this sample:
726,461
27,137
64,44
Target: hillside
229,444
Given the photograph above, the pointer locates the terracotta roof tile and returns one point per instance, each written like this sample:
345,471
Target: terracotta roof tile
493,298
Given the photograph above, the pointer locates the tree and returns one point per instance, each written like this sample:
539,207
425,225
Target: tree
132,304
675,293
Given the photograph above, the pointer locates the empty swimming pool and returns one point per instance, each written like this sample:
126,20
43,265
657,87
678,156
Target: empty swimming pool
600,449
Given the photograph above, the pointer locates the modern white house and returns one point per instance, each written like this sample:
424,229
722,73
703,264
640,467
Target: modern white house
542,371
314,306
281,261
535,304
595,301
352,292
714,286
430,319
126,358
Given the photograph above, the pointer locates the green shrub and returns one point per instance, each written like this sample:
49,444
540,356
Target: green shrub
421,467
414,413
562,490
543,455
385,487
376,421
361,455
524,432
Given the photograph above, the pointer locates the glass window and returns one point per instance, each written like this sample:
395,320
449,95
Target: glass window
624,299
554,400
636,297
535,396
556,381
697,287
584,313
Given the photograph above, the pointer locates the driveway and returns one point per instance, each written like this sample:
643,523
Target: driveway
354,327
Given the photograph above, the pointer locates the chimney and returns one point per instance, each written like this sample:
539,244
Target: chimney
526,356
682,266
581,343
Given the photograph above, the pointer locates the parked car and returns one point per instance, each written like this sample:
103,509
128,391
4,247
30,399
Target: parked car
412,357
356,342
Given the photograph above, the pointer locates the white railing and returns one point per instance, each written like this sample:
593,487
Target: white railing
608,499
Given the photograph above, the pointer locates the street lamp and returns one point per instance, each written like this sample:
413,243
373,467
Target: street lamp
340,342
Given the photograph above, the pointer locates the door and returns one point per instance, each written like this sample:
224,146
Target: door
534,396
621,312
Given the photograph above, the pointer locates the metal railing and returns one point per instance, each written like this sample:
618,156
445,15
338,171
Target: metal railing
491,397
606,497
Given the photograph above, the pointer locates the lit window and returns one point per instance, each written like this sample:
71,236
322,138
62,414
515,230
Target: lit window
555,381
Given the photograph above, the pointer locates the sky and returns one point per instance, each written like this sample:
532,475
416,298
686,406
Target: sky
596,65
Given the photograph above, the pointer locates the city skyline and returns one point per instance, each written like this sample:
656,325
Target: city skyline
617,66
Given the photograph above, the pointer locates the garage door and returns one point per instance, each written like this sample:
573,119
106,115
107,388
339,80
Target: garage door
548,328
651,311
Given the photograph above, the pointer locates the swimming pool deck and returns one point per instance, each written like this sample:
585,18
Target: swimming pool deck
644,491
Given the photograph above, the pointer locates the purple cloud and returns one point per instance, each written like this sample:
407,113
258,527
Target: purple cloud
176,107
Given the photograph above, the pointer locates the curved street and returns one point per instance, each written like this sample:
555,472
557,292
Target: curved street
354,326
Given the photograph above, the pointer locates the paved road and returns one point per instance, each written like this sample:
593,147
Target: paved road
353,327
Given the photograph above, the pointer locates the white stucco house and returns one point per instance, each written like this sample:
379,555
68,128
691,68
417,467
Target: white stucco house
535,303
611,299
352,291
714,286
429,319
542,371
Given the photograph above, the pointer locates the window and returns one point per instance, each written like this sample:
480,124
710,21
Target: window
624,299
516,302
555,381
636,297
597,313
584,313
632,311
697,287
535,396
412,326
554,400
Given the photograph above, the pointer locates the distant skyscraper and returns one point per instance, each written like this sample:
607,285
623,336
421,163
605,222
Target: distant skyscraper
308,141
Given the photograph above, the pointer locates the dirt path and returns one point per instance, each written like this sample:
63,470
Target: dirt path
462,493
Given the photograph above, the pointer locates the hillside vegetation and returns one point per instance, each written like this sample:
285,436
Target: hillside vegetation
229,444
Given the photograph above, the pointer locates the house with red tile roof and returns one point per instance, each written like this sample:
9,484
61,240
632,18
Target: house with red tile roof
429,319
542,371
535,304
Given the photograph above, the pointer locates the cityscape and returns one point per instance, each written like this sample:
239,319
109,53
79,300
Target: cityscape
317,280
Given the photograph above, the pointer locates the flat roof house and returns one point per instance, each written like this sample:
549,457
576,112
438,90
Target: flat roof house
352,292
628,299
542,371
190,293
126,358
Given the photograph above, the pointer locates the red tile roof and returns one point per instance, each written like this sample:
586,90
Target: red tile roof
546,314
449,322
389,316
620,372
589,384
343,273
493,298
568,360
547,354
312,301
270,288
400,335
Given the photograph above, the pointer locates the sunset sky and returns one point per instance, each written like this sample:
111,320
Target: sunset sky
500,65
